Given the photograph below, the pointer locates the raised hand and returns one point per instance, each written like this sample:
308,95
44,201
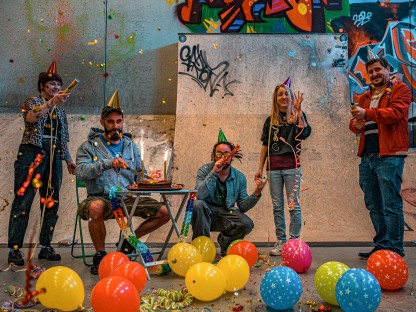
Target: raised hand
297,101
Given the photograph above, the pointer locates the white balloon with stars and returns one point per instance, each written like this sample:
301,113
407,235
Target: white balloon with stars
281,288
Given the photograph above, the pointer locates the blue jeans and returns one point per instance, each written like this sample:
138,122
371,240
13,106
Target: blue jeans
20,211
380,180
279,179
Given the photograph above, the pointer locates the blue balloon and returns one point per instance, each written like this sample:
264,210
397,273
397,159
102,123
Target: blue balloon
281,288
358,291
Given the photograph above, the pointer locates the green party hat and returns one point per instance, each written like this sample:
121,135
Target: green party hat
221,136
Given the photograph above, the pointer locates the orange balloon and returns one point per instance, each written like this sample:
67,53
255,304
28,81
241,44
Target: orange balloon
134,272
389,268
114,294
246,250
232,244
110,262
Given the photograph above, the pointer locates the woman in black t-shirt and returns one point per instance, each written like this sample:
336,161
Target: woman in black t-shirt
282,134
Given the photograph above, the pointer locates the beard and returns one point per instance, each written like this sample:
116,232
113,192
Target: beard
113,135
382,82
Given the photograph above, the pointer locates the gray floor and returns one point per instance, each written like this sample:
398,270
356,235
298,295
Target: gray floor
402,300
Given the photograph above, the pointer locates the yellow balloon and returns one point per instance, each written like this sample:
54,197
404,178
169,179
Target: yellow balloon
326,278
182,256
236,272
205,281
206,248
64,289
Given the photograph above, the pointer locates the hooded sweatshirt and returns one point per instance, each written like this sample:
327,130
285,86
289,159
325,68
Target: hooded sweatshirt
94,164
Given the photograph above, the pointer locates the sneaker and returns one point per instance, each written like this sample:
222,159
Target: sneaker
126,247
96,262
277,249
16,257
49,254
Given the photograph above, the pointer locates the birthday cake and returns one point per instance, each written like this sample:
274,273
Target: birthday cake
154,185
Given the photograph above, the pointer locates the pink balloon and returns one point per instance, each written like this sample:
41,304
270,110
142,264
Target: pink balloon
297,255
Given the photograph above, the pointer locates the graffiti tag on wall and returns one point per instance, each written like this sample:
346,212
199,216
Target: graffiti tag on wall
209,78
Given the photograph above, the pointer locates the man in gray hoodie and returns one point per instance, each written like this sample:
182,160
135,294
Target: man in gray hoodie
101,162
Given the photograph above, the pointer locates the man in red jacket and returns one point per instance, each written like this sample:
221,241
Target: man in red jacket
381,120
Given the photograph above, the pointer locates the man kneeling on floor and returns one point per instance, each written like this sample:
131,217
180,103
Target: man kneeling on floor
220,187
101,162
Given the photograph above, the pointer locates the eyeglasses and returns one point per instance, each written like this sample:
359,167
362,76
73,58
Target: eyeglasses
220,154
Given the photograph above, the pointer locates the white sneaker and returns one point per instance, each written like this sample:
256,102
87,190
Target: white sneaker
277,249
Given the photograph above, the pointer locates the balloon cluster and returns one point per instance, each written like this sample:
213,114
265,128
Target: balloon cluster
204,280
354,290
121,282
359,290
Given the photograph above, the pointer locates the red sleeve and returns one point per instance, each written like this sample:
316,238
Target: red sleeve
400,99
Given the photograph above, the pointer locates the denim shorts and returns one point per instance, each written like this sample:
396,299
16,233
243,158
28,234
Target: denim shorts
147,207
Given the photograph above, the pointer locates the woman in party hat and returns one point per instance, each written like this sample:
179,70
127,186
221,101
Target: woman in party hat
281,138
39,165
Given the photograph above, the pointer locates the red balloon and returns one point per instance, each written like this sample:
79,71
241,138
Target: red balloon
114,294
132,271
389,268
246,250
110,262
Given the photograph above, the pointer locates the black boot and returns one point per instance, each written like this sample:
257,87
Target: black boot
49,254
96,262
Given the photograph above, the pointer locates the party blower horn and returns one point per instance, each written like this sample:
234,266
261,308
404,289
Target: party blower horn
71,86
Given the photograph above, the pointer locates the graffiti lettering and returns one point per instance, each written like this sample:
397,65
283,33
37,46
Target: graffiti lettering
362,18
197,67
397,47
302,15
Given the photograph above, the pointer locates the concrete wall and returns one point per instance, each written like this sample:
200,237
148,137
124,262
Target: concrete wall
139,57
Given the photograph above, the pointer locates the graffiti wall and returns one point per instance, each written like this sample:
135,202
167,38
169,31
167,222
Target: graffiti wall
386,25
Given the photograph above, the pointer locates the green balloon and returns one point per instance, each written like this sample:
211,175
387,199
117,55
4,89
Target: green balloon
326,278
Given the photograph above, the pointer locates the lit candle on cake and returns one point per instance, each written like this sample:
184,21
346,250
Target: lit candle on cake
165,163
142,152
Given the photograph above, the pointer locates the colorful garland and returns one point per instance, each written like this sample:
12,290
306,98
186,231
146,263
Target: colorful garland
292,200
187,218
131,238
167,300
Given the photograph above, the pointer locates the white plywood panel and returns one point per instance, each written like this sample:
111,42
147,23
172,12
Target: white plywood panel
227,81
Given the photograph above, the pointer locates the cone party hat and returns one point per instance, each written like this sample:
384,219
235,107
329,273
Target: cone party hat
221,136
